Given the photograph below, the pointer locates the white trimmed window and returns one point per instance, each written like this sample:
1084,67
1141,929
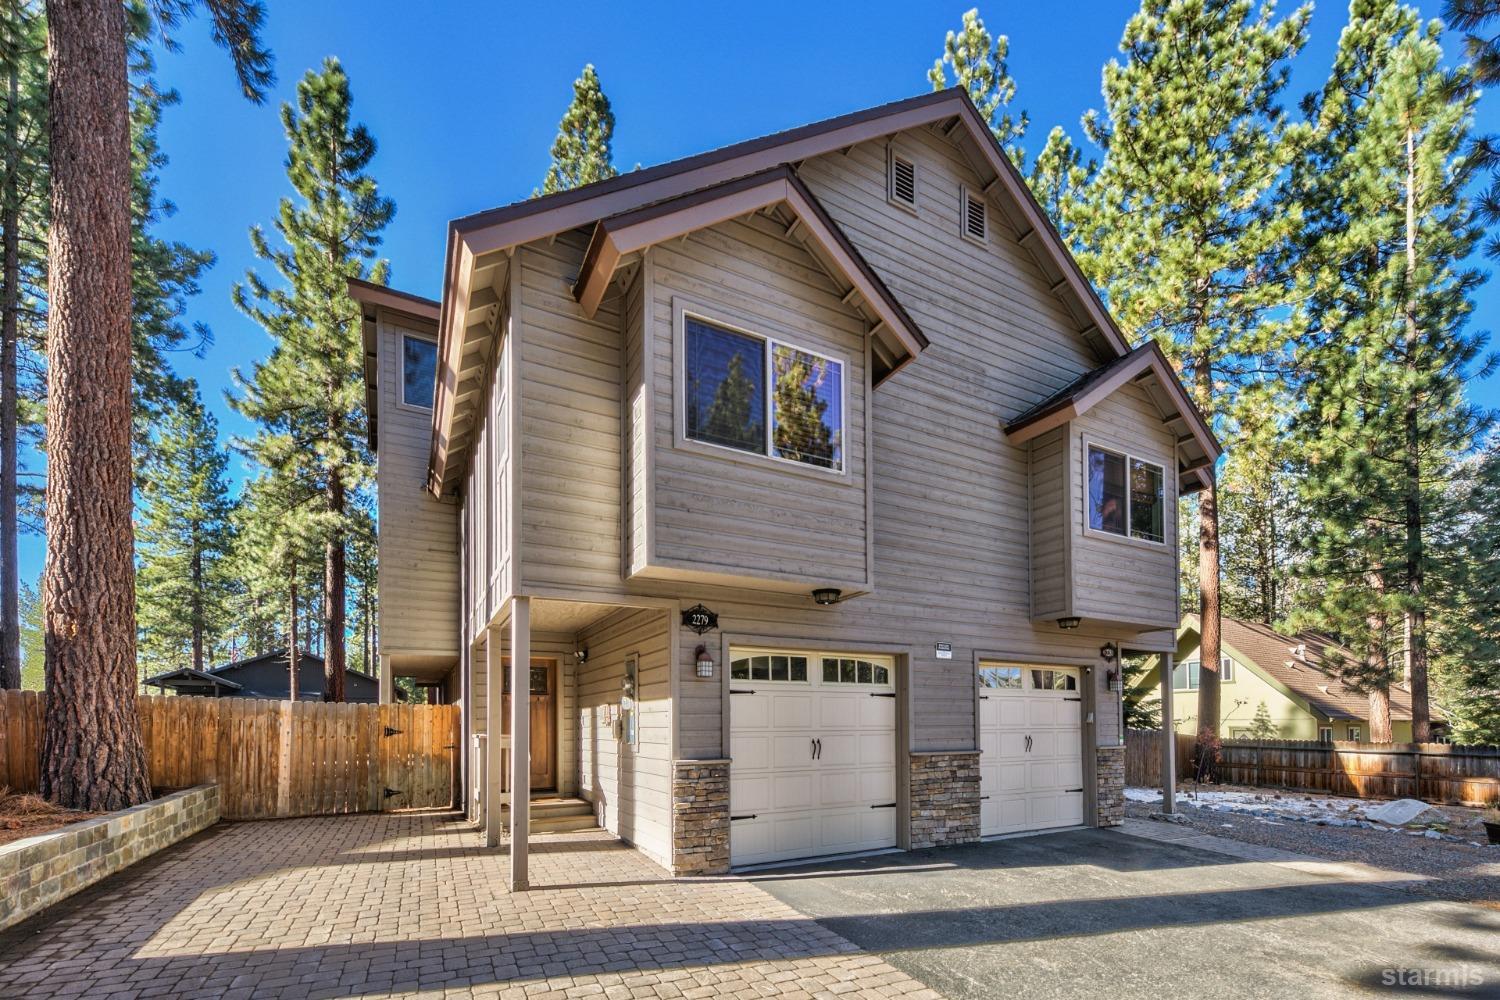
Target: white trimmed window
1325,734
1127,496
754,394
901,180
1000,677
769,667
851,670
1354,733
418,371
1187,674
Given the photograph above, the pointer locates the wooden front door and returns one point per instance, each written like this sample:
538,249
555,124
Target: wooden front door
543,716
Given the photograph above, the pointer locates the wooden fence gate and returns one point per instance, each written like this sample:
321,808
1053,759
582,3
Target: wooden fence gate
272,759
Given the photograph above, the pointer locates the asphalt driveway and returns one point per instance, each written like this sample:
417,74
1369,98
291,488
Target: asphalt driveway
1105,913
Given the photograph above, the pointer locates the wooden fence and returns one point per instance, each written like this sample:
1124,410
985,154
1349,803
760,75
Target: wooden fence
1432,772
272,759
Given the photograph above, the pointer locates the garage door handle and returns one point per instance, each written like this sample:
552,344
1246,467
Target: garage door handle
882,694
732,691
733,818
884,805
819,754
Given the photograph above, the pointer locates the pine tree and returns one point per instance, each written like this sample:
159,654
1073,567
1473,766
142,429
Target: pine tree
1387,353
800,431
1261,520
1479,20
364,587
92,754
308,396
1058,179
977,62
583,151
730,418
183,536
1180,228
23,187
1261,727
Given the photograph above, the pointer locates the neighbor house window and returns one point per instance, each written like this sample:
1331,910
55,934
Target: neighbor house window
1354,732
1187,674
1127,496
418,371
1325,734
761,396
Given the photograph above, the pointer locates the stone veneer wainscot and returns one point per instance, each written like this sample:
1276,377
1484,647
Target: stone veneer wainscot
39,871
1110,782
944,798
700,817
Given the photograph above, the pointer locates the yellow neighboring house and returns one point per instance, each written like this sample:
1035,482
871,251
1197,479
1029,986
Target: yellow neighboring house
1287,674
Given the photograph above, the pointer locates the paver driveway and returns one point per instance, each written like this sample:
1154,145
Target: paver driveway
406,903
1101,913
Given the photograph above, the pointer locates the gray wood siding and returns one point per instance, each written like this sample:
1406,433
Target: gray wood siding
418,534
636,427
486,500
630,786
749,516
1119,579
1050,556
571,455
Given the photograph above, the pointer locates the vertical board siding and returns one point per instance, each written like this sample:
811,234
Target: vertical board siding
631,787
1050,525
418,532
271,759
636,428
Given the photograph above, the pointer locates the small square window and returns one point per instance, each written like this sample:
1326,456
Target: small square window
1127,496
418,371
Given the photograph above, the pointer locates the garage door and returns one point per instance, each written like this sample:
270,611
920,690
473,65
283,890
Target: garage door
1031,748
813,748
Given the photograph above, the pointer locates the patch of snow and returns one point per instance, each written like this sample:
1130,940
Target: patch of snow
1142,795
1399,812
1269,806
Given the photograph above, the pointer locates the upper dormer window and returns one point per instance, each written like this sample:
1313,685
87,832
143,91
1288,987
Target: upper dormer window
733,380
974,222
1127,496
418,371
902,182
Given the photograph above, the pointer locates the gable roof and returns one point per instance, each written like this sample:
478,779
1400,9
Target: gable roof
1305,664
189,674
1200,448
630,232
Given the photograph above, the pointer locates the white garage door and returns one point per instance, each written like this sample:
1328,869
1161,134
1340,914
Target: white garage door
1031,748
813,748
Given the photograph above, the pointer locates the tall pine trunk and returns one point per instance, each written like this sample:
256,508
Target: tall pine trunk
92,754
197,606
1208,618
293,654
10,331
1378,658
1416,610
335,583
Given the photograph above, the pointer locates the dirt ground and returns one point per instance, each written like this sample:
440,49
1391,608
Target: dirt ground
23,816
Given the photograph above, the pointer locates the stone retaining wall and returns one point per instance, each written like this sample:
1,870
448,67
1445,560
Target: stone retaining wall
1110,781
944,798
39,871
700,817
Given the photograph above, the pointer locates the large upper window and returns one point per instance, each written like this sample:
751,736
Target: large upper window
733,381
418,371
1127,496
1187,674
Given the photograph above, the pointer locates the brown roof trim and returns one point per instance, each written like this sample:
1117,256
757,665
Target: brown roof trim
366,293
664,220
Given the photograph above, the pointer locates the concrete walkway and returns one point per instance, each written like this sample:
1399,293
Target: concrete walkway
380,905
1154,911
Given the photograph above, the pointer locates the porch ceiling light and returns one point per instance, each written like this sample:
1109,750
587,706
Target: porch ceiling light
827,595
1066,623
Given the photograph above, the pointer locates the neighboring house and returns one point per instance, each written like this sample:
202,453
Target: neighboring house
265,676
1290,675
838,399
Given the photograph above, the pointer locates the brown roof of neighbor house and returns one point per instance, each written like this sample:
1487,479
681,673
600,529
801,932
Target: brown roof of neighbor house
1307,664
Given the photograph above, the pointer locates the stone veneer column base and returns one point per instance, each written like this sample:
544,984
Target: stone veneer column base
700,817
944,797
1110,781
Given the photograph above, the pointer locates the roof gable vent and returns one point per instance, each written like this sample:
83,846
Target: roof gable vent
903,181
973,209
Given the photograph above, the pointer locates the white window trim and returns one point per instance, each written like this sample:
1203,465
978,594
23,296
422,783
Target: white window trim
892,154
1166,500
1225,676
683,314
1325,729
964,194
815,658
401,338
1356,734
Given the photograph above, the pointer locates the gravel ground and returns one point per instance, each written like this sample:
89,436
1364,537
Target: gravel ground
1457,871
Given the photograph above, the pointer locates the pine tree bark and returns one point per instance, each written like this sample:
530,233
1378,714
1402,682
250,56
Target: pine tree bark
1379,659
335,584
10,331
1209,645
196,609
293,653
92,754
1416,609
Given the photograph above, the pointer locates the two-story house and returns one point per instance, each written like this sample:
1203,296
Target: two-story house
806,483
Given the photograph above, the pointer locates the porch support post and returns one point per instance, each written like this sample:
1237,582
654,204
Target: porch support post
494,725
387,682
520,739
1168,739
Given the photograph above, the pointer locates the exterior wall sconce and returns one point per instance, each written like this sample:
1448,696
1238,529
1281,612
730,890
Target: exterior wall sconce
827,595
1067,623
705,662
1116,682
581,655
1107,652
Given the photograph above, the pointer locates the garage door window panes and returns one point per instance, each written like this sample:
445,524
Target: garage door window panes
844,670
773,667
1000,677
1054,680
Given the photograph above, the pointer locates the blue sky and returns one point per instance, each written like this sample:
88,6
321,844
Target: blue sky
464,99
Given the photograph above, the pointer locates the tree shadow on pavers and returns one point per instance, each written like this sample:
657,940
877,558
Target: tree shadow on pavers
368,967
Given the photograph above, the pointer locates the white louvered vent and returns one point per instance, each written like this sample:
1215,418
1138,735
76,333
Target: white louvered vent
973,216
903,182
